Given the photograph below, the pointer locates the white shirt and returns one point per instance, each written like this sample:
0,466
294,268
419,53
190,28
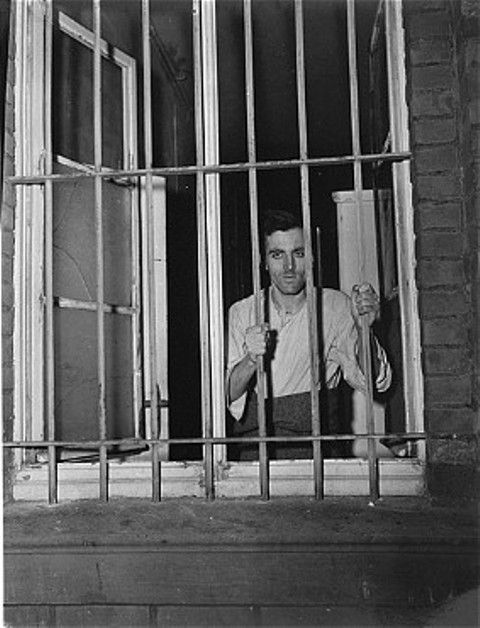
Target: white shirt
290,365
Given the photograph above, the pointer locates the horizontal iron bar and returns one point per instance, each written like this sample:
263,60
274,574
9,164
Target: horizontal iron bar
235,167
237,439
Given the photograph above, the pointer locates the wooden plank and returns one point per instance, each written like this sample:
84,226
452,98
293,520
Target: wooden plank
277,575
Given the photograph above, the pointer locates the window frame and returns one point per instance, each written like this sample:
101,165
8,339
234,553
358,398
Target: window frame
231,476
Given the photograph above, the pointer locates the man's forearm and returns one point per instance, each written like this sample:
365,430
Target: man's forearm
240,377
373,353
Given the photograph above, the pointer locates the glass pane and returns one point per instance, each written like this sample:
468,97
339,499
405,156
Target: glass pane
74,262
72,103
76,382
117,243
76,379
74,240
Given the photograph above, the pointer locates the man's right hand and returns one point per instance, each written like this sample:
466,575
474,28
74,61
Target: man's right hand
256,341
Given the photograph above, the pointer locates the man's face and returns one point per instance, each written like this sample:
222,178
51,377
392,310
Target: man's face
285,259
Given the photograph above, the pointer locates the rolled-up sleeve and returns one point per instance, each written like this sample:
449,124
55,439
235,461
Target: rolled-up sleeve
343,354
236,340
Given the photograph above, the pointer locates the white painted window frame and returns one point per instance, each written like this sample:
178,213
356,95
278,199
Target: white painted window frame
29,325
408,294
287,477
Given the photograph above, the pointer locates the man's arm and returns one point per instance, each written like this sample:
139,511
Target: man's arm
367,304
255,345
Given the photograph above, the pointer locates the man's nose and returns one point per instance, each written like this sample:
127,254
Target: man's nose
289,262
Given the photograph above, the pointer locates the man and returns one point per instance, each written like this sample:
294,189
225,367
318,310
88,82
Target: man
284,342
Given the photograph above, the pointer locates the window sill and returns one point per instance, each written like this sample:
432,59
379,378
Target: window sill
236,479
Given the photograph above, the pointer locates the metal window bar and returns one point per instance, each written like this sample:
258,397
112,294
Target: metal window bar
256,257
311,297
202,257
166,171
219,440
49,344
147,122
98,200
358,187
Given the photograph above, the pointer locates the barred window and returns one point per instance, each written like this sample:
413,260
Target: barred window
152,137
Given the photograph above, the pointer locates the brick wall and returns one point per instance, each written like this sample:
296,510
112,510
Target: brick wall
440,69
7,224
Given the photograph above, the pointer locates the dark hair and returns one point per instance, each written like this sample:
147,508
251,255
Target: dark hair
279,220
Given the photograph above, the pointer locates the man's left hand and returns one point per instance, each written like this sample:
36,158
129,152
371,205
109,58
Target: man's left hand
365,303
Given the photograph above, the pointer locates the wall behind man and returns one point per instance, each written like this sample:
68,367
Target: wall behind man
442,62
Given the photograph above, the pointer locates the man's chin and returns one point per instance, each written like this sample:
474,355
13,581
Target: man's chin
291,289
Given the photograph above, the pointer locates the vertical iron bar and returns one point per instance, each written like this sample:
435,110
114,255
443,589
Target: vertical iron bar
318,246
202,259
147,123
97,122
358,185
311,300
256,258
49,344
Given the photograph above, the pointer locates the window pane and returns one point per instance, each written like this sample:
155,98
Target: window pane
76,380
74,240
72,102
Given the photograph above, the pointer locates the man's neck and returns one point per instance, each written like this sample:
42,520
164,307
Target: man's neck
288,303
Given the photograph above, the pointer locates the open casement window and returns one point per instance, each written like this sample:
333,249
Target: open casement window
75,272
234,116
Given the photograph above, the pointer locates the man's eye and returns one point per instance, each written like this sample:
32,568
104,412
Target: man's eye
276,254
300,253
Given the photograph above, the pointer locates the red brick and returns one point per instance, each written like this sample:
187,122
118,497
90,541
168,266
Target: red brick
9,96
436,159
435,273
8,378
9,146
440,244
7,220
453,452
460,420
425,103
7,322
472,53
424,6
430,131
474,111
445,332
9,197
432,77
427,25
448,389
7,295
7,350
438,187
7,242
433,216
430,51
446,360
443,304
